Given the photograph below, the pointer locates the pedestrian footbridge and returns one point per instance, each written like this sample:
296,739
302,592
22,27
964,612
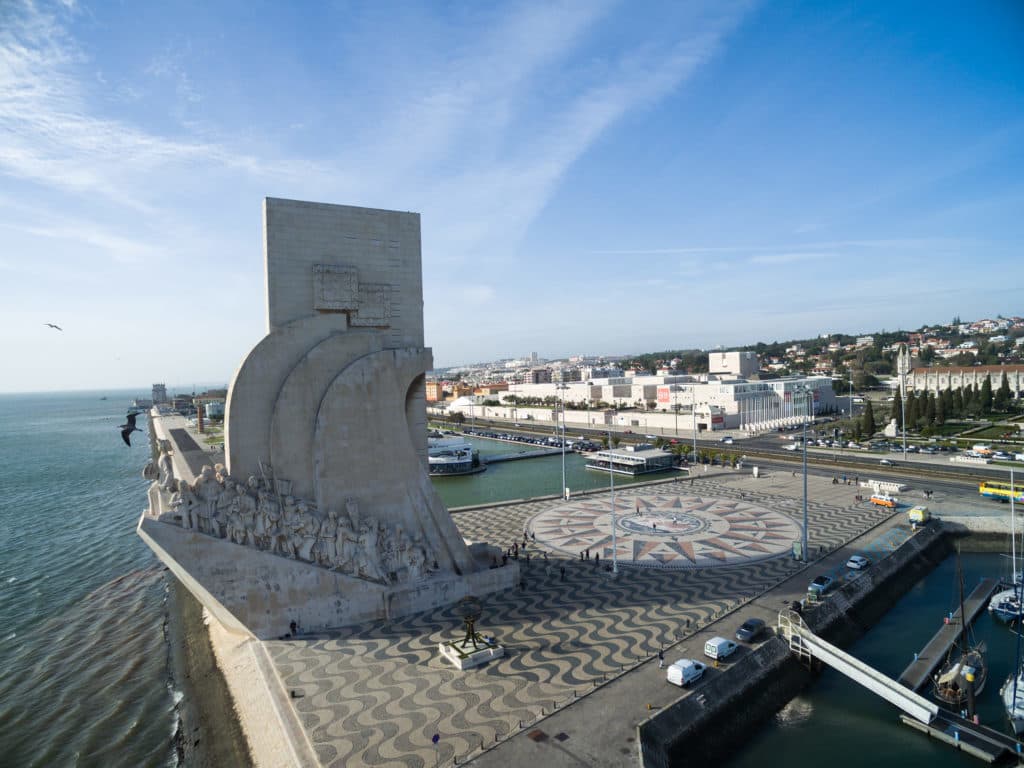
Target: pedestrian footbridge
808,645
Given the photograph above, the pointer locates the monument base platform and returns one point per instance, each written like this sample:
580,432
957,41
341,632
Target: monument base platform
258,593
469,657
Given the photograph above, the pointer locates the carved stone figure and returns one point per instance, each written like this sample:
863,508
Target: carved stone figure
327,545
305,532
206,489
369,552
165,468
346,544
225,499
188,504
247,513
235,528
282,535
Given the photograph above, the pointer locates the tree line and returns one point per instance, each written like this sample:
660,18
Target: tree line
925,410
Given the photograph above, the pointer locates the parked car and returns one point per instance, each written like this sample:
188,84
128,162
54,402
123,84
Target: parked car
685,671
858,562
719,648
750,630
821,585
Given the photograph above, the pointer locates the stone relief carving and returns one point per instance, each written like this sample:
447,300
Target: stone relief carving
258,514
336,288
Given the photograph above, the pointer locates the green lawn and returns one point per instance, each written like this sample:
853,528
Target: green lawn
996,432
949,428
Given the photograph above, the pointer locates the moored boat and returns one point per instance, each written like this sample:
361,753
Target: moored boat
452,456
963,675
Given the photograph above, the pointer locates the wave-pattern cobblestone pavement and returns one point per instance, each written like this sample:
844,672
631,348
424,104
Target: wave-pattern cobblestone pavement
375,695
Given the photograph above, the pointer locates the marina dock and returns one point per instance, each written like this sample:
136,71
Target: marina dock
525,454
920,670
980,741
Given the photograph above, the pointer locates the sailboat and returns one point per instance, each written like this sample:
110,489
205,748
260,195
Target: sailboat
1012,691
1006,605
963,675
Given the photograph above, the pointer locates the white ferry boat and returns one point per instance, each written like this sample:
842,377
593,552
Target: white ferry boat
452,456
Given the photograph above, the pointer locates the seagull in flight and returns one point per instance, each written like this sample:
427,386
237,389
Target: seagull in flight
57,327
127,429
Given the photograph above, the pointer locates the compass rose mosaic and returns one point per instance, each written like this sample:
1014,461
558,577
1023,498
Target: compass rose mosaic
669,530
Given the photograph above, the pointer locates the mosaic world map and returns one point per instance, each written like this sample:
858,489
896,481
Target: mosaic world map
668,530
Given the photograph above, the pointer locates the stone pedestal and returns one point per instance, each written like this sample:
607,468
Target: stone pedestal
469,657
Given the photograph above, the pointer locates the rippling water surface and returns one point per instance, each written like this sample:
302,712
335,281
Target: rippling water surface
84,663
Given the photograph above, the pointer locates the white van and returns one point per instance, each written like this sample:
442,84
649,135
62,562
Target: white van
684,672
719,648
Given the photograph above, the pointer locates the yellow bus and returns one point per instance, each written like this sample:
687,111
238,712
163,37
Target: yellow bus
1001,491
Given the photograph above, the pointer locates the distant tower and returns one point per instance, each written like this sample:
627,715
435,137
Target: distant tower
903,368
533,357
159,394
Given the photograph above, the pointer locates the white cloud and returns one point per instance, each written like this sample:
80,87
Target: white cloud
52,137
789,258
478,294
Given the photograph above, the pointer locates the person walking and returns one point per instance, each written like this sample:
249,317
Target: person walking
562,571
661,659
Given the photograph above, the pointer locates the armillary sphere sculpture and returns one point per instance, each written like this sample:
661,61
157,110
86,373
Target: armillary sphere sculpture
469,608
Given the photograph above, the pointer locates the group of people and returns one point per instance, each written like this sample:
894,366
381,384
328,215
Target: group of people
845,480
256,514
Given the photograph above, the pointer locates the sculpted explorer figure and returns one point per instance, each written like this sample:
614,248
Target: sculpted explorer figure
247,513
346,543
225,499
305,533
165,469
207,489
327,545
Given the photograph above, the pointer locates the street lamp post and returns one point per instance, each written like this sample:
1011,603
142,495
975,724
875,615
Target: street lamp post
693,414
563,387
902,365
807,403
675,406
611,483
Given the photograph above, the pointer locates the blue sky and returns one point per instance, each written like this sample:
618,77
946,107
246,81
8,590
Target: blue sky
593,177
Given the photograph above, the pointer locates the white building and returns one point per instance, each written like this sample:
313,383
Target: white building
667,403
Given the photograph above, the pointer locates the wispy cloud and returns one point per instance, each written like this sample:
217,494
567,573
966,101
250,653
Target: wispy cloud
916,243
789,258
54,139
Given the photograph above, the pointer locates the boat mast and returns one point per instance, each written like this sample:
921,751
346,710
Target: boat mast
1017,607
963,637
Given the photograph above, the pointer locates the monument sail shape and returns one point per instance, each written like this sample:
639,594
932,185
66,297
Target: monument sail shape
325,485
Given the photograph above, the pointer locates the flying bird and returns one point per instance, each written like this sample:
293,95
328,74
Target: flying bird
57,327
127,429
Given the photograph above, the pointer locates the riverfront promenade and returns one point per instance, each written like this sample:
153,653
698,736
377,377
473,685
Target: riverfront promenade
584,647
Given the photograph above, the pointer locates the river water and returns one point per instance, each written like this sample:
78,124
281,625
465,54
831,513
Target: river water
84,662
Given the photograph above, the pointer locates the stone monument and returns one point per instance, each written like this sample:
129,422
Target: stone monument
323,513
